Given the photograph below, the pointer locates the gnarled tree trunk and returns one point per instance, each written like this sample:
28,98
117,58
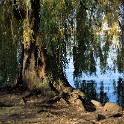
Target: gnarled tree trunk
40,70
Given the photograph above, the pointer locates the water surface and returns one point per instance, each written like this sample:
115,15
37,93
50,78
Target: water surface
104,86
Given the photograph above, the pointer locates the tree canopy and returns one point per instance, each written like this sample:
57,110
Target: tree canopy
66,27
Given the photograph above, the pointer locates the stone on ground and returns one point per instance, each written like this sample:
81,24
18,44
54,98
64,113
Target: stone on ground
112,107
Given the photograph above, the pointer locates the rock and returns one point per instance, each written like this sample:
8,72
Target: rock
74,95
78,93
80,104
112,107
96,103
72,99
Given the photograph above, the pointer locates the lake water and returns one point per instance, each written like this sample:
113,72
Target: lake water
108,86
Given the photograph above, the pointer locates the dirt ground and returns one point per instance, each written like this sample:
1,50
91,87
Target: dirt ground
13,110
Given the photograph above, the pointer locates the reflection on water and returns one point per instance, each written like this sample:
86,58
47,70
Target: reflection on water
101,91
103,87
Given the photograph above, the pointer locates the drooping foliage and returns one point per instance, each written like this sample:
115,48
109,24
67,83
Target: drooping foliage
73,27
9,44
98,29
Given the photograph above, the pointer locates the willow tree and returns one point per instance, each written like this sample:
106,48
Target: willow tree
44,47
41,31
96,19
44,29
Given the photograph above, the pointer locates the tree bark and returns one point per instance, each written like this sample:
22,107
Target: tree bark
39,70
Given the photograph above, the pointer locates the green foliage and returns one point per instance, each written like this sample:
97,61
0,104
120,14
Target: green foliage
64,25
56,28
9,38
